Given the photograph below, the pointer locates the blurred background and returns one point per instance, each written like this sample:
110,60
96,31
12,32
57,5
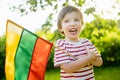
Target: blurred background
102,27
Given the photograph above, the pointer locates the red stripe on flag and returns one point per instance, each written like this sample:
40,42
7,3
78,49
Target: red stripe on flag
39,60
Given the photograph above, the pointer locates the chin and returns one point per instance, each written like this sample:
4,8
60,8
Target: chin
73,37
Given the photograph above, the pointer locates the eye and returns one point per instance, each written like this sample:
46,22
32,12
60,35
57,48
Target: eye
66,21
76,20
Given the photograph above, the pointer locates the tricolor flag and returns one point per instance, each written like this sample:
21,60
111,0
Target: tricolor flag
26,54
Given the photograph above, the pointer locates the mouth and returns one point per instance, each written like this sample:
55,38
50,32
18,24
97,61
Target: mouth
73,31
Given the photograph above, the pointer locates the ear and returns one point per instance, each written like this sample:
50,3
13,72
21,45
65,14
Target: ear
61,30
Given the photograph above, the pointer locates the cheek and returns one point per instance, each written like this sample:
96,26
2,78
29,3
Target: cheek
65,29
79,26
64,26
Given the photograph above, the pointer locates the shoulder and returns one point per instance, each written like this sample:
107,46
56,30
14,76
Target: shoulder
86,41
60,42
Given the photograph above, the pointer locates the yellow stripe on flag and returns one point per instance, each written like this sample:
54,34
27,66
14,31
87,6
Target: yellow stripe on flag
26,54
12,39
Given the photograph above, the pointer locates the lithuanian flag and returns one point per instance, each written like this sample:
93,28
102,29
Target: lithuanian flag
26,54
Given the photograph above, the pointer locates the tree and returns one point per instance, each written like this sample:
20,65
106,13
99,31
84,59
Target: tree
105,34
97,30
38,5
2,57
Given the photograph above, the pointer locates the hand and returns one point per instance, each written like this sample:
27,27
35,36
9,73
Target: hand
91,53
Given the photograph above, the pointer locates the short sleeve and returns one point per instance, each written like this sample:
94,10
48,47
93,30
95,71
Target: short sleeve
90,45
59,56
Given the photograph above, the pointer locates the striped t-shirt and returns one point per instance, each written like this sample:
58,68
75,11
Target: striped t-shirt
75,49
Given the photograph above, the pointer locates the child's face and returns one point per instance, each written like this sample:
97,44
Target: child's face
71,25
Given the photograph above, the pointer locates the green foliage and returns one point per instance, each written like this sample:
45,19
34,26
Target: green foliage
33,4
90,10
36,5
80,2
105,35
111,51
2,57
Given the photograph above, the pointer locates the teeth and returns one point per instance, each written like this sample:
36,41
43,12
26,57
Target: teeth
73,31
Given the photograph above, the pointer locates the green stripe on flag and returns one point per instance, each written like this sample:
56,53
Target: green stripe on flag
24,55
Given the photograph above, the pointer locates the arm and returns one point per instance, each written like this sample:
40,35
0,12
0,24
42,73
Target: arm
79,63
97,61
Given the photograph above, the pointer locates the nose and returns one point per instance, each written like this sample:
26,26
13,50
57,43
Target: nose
72,24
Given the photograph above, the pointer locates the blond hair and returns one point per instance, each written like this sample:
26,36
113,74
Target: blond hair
63,12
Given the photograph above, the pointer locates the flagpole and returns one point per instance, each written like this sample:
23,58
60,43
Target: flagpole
64,51
72,55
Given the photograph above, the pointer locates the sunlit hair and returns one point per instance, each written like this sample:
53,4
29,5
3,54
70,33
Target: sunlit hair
63,12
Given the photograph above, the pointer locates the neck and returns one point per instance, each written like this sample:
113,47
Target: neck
73,39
